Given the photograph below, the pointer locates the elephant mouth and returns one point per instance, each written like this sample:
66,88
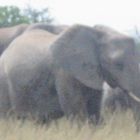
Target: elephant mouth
109,79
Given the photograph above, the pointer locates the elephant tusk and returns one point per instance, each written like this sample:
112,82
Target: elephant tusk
137,99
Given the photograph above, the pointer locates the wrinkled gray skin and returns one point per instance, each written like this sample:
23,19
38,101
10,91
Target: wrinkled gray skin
55,29
26,82
80,59
8,34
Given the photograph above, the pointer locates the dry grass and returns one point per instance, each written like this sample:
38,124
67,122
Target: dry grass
119,126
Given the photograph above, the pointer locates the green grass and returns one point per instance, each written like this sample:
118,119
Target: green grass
119,126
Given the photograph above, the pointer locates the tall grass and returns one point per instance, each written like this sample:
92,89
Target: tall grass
119,126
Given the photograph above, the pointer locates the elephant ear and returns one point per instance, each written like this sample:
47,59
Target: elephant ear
74,51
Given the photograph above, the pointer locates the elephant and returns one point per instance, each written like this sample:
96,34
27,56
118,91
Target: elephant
80,59
26,82
8,34
90,57
55,29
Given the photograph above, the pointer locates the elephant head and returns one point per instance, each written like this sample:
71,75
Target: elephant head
117,57
120,64
92,55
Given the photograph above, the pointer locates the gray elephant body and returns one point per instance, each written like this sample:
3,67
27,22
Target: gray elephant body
8,34
79,59
28,86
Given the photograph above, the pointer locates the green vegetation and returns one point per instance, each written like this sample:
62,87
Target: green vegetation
12,15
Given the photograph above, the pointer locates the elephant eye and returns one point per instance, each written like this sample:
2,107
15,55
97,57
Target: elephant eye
119,66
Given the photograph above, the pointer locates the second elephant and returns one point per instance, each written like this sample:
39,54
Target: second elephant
26,82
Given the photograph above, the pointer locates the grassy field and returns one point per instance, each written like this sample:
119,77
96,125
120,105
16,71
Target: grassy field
119,126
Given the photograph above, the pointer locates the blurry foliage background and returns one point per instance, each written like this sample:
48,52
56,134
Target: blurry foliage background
12,15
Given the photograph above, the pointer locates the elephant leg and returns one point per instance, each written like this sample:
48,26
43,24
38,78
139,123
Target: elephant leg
35,98
22,104
70,95
94,98
5,105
